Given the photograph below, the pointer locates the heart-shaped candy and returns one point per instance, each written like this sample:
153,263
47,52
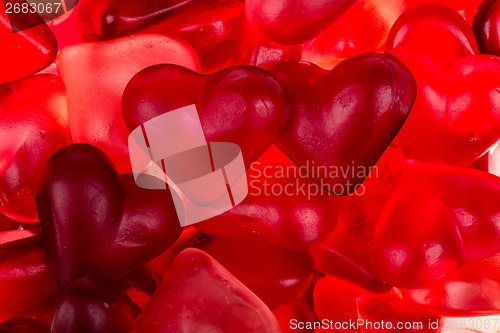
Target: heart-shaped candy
486,26
343,120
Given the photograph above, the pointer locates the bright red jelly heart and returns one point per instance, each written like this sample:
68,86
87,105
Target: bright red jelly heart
347,252
86,306
25,52
343,120
23,325
438,218
472,289
277,276
241,104
290,315
292,22
487,26
97,223
283,208
34,126
198,294
27,283
95,86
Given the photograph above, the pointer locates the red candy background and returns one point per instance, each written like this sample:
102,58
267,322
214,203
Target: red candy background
369,132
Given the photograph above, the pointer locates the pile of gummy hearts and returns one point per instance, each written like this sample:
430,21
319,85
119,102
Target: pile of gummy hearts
368,131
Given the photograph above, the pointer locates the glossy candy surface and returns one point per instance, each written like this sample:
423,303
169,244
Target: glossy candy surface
34,126
276,276
450,216
23,325
283,208
487,26
362,103
240,104
97,223
198,294
86,306
95,87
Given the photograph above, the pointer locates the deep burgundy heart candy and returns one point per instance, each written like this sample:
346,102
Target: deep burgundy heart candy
23,325
486,26
241,104
450,218
283,208
343,120
277,276
96,223
24,52
27,282
292,22
34,126
86,306
199,295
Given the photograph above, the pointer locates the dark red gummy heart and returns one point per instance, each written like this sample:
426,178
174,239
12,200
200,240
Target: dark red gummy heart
23,325
241,104
342,121
199,295
97,223
486,26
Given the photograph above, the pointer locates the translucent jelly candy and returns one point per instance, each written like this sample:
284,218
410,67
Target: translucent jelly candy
455,118
95,223
34,126
199,295
292,22
289,315
213,28
342,121
241,104
450,216
487,26
24,52
276,276
27,284
96,85
283,208
472,289
23,325
347,252
86,306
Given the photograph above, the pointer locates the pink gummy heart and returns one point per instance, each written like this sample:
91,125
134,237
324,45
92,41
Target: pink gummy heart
34,126
95,75
343,120
450,218
292,22
24,52
283,208
241,104
96,223
199,295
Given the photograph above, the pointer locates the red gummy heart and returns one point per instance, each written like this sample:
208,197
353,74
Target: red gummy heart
346,253
283,208
450,218
23,325
241,104
214,28
95,223
290,315
456,116
471,290
25,52
34,126
95,85
86,306
342,121
27,283
199,295
486,26
292,22
276,276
